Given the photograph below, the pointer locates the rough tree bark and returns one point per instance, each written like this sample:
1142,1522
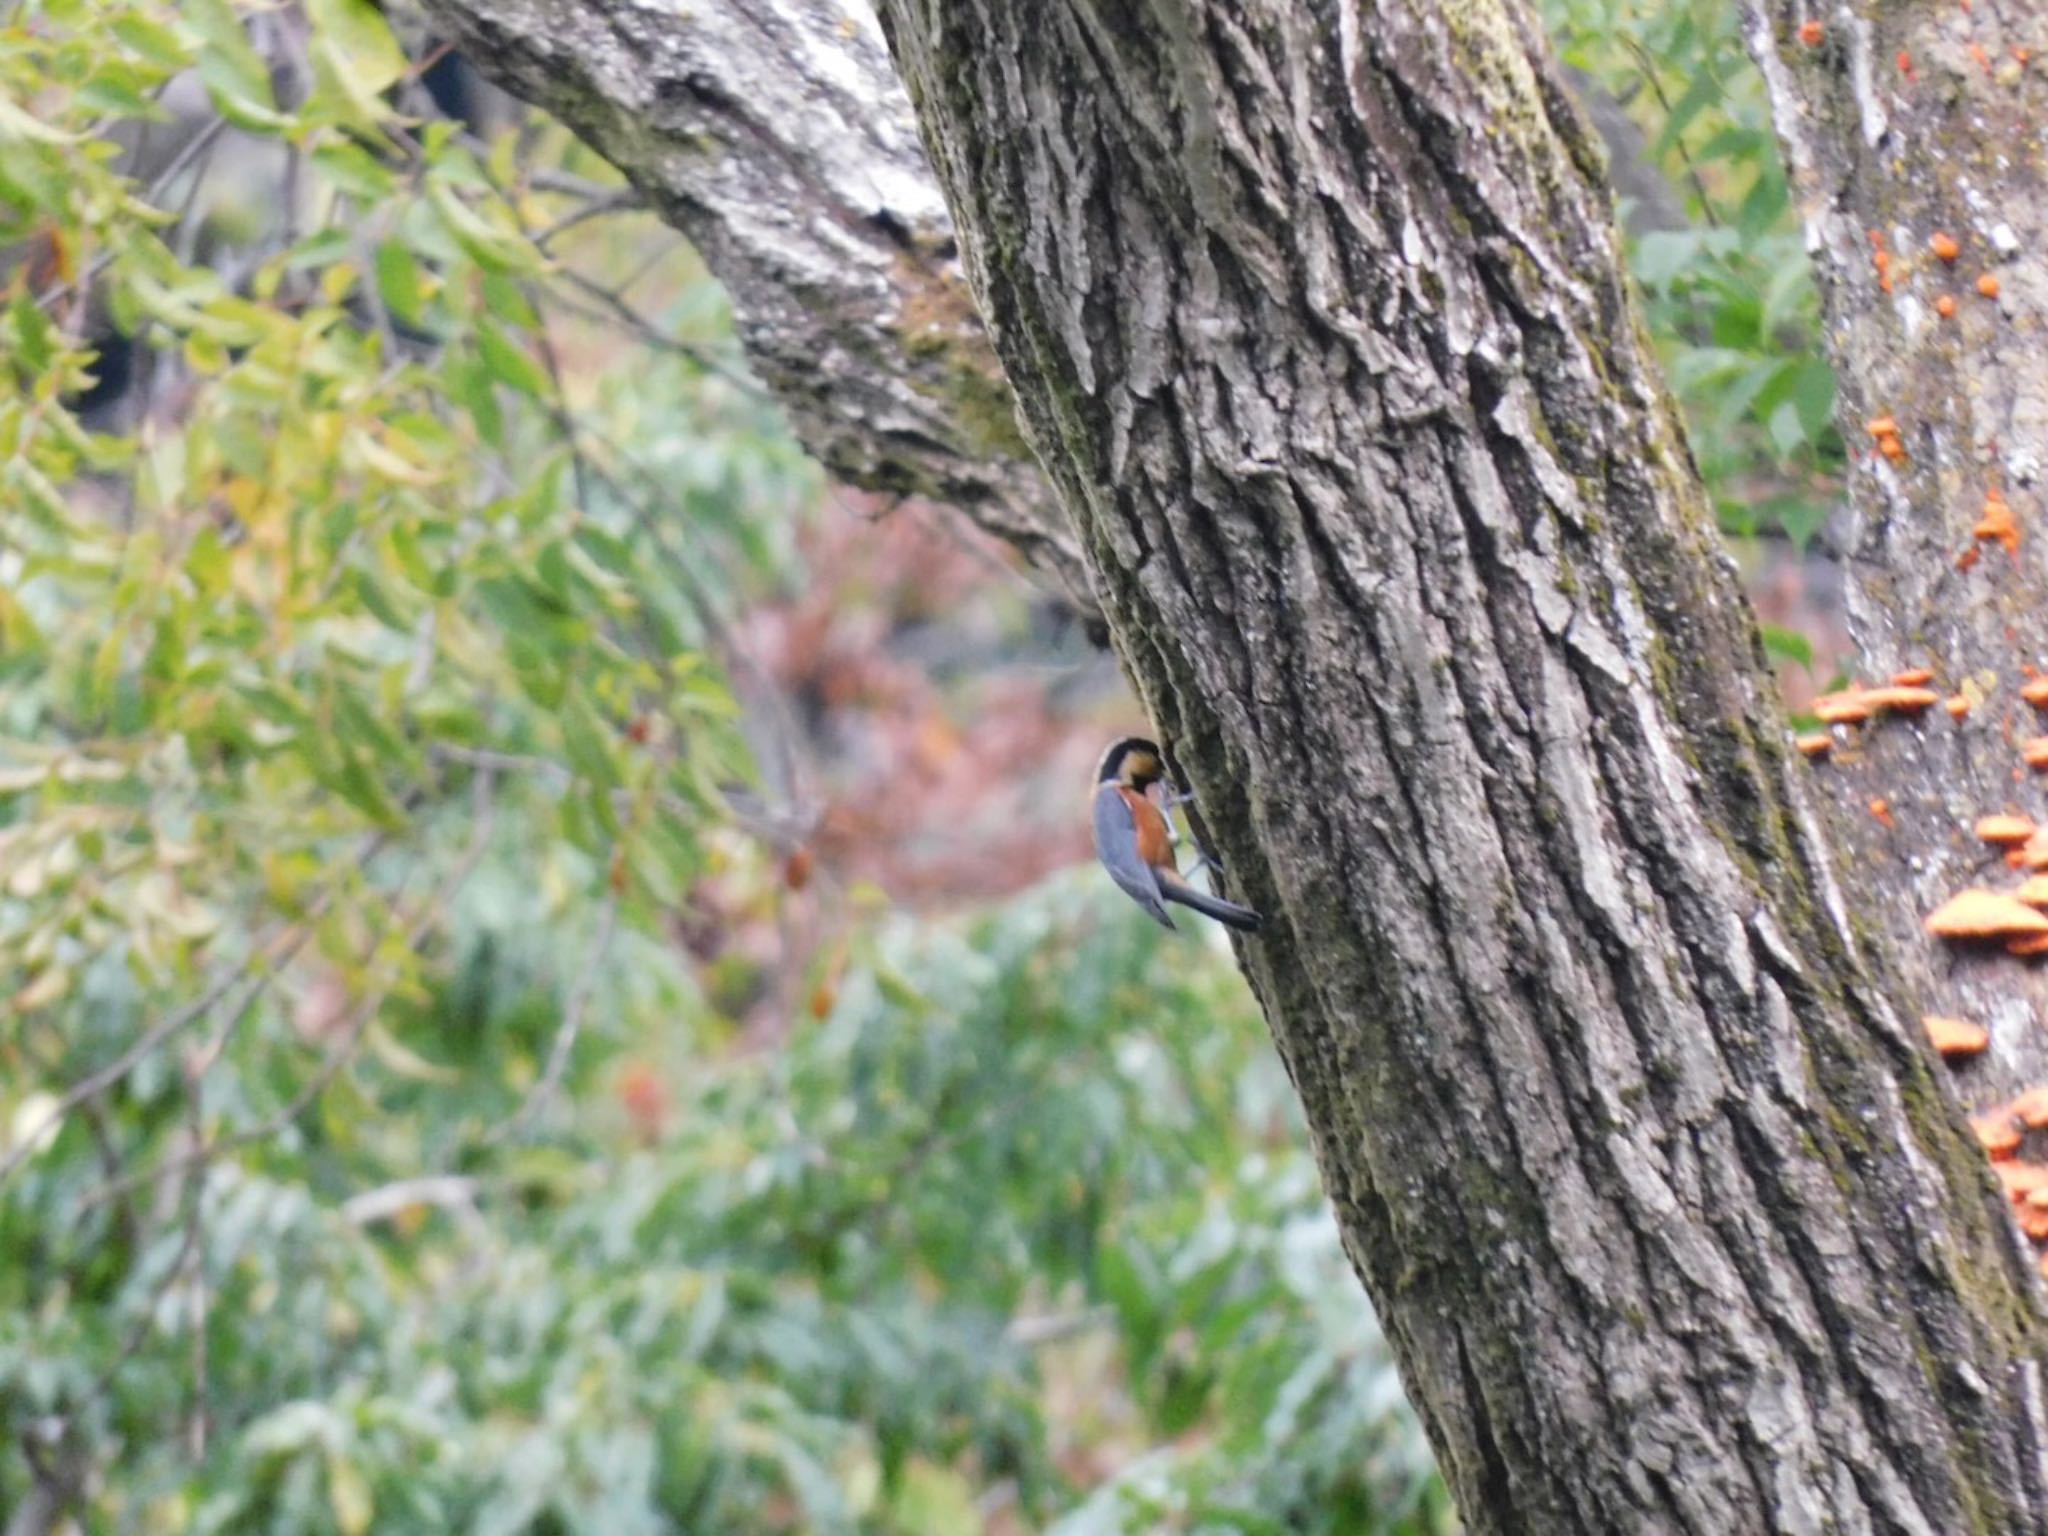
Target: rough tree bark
1897,127
1316,318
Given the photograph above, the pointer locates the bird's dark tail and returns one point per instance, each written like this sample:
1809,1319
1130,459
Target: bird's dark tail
1228,913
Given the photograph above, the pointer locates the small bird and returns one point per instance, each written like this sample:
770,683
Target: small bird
1132,841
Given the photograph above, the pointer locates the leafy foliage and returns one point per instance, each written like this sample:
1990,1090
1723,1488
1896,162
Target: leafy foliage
1729,295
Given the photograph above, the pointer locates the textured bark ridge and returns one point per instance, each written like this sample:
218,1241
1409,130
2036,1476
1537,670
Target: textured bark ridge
776,136
1900,125
1316,317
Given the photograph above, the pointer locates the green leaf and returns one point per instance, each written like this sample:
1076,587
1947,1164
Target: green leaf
350,168
158,44
34,334
23,127
494,248
353,38
360,787
1787,431
398,282
509,363
233,72
469,386
1783,644
349,1496
1702,92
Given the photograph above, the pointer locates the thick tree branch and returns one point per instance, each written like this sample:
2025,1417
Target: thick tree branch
776,136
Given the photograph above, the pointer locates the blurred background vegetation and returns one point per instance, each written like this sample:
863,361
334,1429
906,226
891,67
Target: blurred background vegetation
548,975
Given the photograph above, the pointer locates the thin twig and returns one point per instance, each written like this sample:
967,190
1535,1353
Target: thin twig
95,1083
625,200
572,1024
638,325
1649,72
447,1190
194,1191
545,180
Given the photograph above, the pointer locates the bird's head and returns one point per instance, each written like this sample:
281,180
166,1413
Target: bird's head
1133,761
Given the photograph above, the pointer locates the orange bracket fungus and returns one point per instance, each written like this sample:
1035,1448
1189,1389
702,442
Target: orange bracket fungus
1996,1133
2026,949
1848,707
1945,306
1913,677
1818,744
2035,692
1955,1037
2005,831
1881,808
1905,698
1997,521
2030,1108
1854,705
1957,705
2035,751
2022,1181
1980,914
2033,891
1988,286
1944,245
1810,33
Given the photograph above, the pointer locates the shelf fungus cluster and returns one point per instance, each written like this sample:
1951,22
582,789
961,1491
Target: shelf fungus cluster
2001,1129
1908,694
1999,1132
2016,921
1904,694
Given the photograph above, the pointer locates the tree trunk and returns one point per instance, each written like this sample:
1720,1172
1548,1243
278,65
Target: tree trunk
1317,322
1884,157
1317,319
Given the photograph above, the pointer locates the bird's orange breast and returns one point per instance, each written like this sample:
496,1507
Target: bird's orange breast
1155,847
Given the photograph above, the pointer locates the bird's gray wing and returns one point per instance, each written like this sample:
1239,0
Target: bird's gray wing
1116,844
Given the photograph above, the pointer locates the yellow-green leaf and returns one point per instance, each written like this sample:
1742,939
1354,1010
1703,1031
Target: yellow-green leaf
349,1495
